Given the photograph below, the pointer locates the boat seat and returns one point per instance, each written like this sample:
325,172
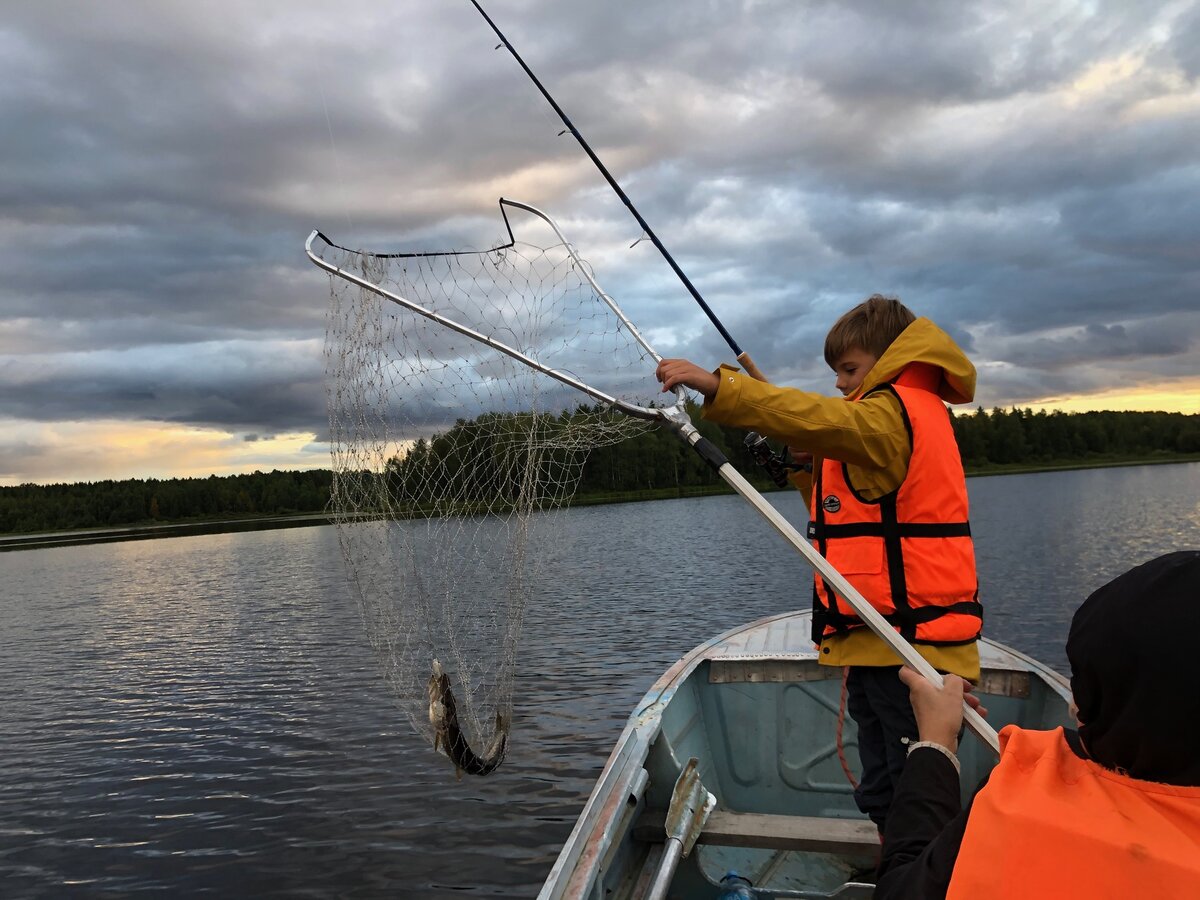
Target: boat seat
995,682
813,834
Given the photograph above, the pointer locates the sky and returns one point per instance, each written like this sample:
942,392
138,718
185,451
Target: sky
1024,173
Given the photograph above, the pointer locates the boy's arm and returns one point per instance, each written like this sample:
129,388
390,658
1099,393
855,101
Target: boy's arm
868,433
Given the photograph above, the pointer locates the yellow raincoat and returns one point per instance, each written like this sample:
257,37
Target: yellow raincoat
870,438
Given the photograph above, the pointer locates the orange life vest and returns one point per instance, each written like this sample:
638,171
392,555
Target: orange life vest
1049,824
908,553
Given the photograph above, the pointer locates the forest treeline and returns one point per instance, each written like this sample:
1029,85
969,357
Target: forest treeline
114,504
653,461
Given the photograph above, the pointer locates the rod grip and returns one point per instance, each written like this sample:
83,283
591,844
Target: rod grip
751,369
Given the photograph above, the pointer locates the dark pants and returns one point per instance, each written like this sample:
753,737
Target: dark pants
879,704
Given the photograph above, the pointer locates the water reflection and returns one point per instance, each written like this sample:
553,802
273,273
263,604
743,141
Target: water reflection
1047,540
202,714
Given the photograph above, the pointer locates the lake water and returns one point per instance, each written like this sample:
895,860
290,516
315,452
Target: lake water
202,715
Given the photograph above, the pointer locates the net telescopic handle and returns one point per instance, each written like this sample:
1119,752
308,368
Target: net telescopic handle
741,355
861,606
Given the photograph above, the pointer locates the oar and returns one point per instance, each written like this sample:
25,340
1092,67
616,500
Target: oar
689,809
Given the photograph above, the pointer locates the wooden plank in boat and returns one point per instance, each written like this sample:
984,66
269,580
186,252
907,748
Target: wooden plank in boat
772,832
768,671
997,682
1005,683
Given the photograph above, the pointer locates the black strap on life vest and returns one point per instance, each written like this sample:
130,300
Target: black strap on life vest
906,617
824,530
825,613
825,610
895,562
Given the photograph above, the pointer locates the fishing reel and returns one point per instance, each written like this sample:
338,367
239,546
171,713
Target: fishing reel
778,464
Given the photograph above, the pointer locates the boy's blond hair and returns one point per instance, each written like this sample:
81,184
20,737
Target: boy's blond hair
870,326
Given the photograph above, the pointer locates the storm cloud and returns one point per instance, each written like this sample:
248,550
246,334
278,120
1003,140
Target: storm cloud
1025,173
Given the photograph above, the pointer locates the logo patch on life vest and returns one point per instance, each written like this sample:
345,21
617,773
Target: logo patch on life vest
831,503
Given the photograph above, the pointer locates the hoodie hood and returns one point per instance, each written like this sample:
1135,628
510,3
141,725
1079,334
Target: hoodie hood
924,342
1139,709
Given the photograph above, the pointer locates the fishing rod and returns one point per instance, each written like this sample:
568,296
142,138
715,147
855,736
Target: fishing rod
742,356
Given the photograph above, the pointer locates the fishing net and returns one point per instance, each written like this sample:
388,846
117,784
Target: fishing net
451,458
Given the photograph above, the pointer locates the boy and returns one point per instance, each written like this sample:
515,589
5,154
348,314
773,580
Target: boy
888,508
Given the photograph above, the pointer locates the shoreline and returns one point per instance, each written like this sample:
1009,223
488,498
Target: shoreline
44,540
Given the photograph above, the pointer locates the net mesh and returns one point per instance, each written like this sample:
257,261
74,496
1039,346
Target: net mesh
450,458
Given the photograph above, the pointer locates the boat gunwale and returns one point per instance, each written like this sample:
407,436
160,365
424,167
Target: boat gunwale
566,879
686,663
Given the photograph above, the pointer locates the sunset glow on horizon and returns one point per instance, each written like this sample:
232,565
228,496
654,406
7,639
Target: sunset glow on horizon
159,317
115,450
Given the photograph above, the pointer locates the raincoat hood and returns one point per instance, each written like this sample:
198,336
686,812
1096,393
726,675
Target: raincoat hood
924,342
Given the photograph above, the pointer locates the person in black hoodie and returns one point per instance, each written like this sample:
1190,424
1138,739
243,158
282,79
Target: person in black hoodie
1109,810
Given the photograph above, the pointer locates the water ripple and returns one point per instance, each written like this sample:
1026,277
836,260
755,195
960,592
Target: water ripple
201,715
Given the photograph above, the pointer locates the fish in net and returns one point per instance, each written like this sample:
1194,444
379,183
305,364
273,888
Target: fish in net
451,455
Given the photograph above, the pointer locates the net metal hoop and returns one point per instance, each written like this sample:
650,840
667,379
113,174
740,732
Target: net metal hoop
631,409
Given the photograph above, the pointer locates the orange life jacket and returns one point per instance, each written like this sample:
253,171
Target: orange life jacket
1049,824
908,553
